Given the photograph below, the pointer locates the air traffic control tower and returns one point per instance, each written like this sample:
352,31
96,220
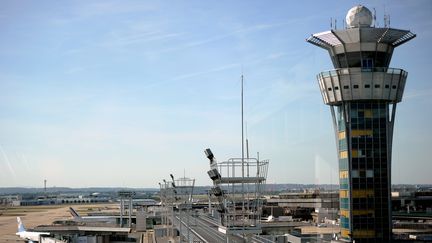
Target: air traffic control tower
362,92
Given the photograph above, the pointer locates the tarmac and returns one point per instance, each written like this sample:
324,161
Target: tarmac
33,216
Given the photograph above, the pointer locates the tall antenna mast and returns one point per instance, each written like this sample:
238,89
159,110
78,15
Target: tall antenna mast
242,124
247,141
242,150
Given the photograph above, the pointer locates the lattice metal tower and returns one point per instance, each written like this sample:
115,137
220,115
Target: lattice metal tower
167,197
183,195
237,185
126,197
362,93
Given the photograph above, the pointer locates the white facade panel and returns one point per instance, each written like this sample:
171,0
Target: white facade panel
339,49
352,47
362,85
368,46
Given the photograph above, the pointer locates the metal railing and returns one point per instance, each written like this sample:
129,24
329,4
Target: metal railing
347,71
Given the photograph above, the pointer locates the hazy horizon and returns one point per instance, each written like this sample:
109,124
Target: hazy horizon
209,185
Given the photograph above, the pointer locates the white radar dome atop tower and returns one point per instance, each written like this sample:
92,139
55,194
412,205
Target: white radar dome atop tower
359,16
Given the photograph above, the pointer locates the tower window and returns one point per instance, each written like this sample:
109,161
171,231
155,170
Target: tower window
394,86
329,89
355,174
367,86
354,59
336,88
346,87
367,64
377,86
355,86
387,86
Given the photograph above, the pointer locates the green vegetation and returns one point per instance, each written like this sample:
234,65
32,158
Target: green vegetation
23,210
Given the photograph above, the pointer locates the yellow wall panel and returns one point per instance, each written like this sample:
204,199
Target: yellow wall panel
363,212
364,233
368,113
343,193
343,174
362,193
345,233
342,135
359,133
345,213
343,154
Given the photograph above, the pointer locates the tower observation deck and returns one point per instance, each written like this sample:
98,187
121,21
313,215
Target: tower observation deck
362,92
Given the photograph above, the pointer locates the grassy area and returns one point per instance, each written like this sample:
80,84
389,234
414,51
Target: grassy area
22,211
84,209
11,214
80,208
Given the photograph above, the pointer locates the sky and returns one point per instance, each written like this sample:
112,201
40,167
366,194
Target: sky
124,93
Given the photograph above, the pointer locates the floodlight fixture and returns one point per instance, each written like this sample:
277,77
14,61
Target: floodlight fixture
209,154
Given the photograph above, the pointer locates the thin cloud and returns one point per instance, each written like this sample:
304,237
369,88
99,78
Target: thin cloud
98,9
8,164
25,162
105,8
186,76
271,56
212,70
140,38
280,94
243,30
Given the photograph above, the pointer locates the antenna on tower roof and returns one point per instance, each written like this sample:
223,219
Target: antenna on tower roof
331,23
386,19
374,17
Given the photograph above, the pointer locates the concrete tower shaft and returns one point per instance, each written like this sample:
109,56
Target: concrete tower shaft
362,92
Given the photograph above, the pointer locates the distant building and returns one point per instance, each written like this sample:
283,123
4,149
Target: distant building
10,200
311,234
303,205
412,202
317,199
362,93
